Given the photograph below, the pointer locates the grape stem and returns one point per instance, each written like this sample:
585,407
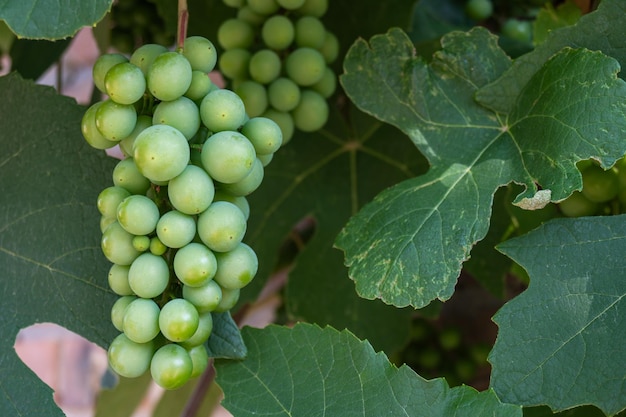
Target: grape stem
183,19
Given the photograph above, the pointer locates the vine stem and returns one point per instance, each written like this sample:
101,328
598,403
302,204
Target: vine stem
183,19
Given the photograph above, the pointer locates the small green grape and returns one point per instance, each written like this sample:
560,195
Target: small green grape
222,110
117,245
171,366
479,9
316,8
327,85
235,33
234,63
264,66
126,144
236,268
310,32
330,48
181,113
200,86
119,309
263,7
520,30
290,4
178,320
278,32
157,247
577,205
284,121
250,16
228,301
176,229
202,334
199,359
115,121
148,275
264,134
201,53
222,226
169,76
141,320
311,114
192,191
141,243
102,65
239,201
254,97
195,264
125,83
283,94
138,215
161,152
249,183
205,298
118,279
129,359
90,131
109,199
144,56
599,186
127,175
228,156
305,66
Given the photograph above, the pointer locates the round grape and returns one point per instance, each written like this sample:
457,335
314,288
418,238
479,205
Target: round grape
169,76
284,120
330,48
290,4
222,226
192,191
599,186
228,156
181,113
126,144
117,245
102,65
109,199
91,133
327,85
144,56
283,94
176,229
161,152
201,53
311,114
129,359
125,83
127,175
200,86
228,301
239,201
236,268
171,366
278,32
254,97
138,215
202,334
234,63
249,183
119,309
263,7
205,298
310,32
315,8
264,66
199,359
235,33
148,275
118,279
264,134
222,110
479,9
115,121
141,320
195,264
178,320
305,66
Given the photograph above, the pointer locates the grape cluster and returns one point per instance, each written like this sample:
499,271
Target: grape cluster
137,22
174,219
277,54
603,192
513,20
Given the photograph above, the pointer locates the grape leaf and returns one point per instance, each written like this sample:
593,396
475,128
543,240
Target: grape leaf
560,342
550,18
32,58
34,19
310,371
603,30
406,247
225,340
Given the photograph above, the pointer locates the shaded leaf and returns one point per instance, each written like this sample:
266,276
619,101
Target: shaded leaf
32,58
560,342
225,340
550,18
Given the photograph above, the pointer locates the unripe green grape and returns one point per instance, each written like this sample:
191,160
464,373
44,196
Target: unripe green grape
141,243
148,275
283,94
290,4
327,85
117,245
330,48
305,66
91,133
195,264
250,16
278,32
181,113
222,110
429,358
109,199
479,9
263,7
239,201
105,222
141,320
234,63
309,32
161,152
118,279
311,114
176,229
228,156
450,338
235,33
577,205
254,97
157,247
127,175
599,185
249,183
201,53
520,30
205,298
138,215
315,8
178,320
171,366
129,359
115,121
199,359
265,159
236,268
102,65
192,191
125,83
264,134
200,86
284,120
228,301
126,144
145,55
169,76
265,66
119,309
235,3
222,226
202,334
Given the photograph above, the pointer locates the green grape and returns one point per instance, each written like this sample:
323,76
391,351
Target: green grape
178,320
148,275
254,97
265,66
315,8
181,113
169,76
105,222
479,9
520,30
429,358
283,94
102,65
115,121
290,4
199,359
327,85
91,133
129,359
118,279
141,320
141,243
195,264
125,83
236,268
250,16
284,120
263,7
311,114
157,247
161,152
126,175
202,334
330,48
222,226
234,3
305,66
228,156
234,63
109,199
228,301
249,183
126,144
450,338
144,56
239,201
264,134
222,110
117,245
200,86
119,309
171,366
192,191
201,53
138,215
577,205
235,33
265,159
278,32
309,32
205,298
599,186
176,229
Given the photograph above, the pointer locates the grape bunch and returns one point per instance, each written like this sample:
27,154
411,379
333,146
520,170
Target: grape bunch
174,219
277,54
137,22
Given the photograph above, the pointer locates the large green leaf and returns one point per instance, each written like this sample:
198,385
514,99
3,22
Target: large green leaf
51,20
560,342
407,246
309,371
